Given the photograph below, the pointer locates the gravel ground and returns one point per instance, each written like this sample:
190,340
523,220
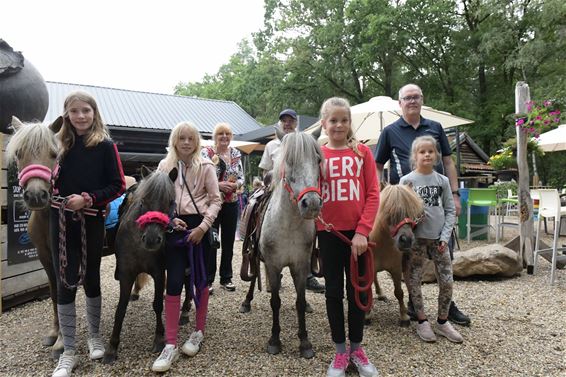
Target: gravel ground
518,329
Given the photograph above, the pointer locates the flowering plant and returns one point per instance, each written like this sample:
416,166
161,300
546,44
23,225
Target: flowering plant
540,118
503,159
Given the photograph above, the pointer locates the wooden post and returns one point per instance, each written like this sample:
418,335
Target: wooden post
525,255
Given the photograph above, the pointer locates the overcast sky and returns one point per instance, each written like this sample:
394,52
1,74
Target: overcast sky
139,45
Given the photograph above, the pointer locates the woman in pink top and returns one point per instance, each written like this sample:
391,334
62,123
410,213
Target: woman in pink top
197,202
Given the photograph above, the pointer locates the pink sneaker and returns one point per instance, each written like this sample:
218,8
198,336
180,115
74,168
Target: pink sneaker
365,367
338,366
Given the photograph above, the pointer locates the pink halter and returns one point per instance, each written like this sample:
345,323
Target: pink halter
34,171
153,217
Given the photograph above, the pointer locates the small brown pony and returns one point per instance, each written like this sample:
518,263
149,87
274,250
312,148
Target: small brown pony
399,211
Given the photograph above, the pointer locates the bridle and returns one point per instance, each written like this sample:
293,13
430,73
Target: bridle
407,220
296,198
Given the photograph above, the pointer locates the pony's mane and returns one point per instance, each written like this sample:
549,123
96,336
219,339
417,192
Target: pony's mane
397,202
32,139
295,149
156,189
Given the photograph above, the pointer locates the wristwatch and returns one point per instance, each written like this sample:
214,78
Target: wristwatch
456,192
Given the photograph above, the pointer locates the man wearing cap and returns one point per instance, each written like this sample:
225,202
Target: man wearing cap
287,124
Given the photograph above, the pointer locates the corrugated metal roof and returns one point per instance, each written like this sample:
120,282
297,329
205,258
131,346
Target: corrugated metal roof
127,108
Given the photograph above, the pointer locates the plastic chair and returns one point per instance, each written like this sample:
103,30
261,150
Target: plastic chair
483,197
511,206
549,207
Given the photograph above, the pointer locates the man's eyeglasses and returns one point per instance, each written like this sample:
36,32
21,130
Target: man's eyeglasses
412,98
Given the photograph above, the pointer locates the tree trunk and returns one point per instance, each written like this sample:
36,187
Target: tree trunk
525,255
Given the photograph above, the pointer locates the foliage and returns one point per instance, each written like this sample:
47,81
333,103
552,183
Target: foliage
503,187
540,118
503,159
466,55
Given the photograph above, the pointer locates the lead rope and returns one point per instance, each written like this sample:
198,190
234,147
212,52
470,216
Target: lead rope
78,215
363,283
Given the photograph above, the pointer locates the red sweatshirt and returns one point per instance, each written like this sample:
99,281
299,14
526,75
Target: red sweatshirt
350,190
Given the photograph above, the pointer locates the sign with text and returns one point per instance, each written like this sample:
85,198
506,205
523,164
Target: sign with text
20,247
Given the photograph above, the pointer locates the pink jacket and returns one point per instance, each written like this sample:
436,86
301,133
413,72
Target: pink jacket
204,188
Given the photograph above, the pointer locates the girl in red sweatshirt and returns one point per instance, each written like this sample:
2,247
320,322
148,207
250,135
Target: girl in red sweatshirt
350,193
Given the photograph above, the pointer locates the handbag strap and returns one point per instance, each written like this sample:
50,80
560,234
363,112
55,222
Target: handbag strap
191,195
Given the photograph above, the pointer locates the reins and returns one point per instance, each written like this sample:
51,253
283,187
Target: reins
60,204
362,283
197,277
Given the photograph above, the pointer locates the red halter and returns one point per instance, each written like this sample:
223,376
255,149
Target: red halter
153,217
287,186
406,220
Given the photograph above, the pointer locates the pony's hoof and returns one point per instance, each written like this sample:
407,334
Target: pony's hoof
109,358
530,270
55,353
308,308
273,347
245,308
382,298
48,341
158,346
134,297
404,322
183,319
307,353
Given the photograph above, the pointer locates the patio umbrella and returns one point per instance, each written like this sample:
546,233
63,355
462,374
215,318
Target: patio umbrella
553,140
369,118
244,146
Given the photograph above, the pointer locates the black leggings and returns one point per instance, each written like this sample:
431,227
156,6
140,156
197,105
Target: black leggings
94,226
336,262
227,221
177,257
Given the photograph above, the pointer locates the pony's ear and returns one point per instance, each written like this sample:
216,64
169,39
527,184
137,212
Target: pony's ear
16,123
57,124
173,174
279,132
145,171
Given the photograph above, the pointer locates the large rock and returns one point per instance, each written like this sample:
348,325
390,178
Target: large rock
493,259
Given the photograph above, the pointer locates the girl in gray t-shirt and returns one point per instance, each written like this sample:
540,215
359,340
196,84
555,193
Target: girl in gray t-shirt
432,233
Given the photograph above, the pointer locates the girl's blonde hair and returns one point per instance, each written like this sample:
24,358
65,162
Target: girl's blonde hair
221,128
426,139
95,134
325,111
172,156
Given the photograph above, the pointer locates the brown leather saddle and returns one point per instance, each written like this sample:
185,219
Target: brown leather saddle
250,228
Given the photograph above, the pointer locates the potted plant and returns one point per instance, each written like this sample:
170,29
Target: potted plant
504,163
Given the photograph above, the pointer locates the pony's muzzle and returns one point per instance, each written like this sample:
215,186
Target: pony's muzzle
310,205
153,241
37,199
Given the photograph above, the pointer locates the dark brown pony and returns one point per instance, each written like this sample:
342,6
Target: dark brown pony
399,211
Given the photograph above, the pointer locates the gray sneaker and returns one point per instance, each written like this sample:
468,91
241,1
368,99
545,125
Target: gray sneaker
449,332
424,331
67,362
95,347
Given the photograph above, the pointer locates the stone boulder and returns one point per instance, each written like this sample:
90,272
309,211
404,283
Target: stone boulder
493,259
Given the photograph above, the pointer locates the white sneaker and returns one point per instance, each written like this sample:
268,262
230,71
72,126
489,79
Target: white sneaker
168,356
192,345
95,347
338,366
449,332
364,366
67,362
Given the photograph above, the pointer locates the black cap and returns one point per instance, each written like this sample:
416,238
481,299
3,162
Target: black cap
292,113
